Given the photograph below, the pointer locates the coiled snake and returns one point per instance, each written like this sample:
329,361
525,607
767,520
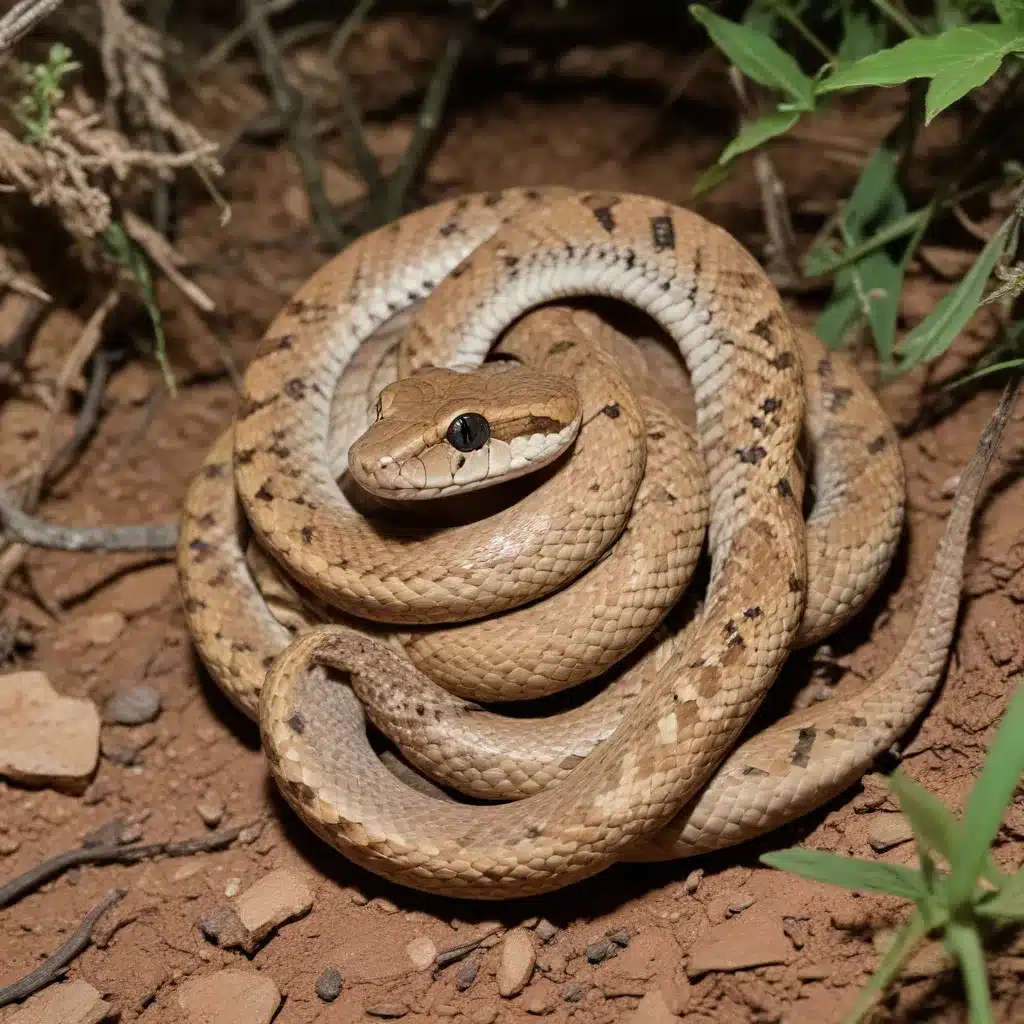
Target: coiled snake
555,587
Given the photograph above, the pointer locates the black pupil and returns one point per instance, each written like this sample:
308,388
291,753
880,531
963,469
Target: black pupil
468,432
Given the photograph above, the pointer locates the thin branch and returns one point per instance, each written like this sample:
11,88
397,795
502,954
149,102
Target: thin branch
53,967
22,18
296,114
112,853
34,532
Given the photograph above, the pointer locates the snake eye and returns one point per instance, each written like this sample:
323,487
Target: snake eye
468,432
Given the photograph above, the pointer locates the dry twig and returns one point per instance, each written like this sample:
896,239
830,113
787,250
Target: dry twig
22,18
53,967
112,853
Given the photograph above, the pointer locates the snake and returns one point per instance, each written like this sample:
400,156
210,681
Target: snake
656,772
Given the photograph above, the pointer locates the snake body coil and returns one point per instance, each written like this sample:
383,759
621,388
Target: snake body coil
626,777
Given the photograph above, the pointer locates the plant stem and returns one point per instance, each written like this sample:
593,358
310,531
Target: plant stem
782,9
963,940
897,17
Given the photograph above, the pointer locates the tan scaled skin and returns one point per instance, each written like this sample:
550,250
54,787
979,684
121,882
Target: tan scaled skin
714,301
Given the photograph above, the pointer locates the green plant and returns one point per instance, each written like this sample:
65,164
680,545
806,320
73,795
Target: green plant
34,112
959,48
961,903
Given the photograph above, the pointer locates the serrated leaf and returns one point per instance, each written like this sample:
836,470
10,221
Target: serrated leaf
757,56
988,801
758,132
849,872
925,57
939,329
949,86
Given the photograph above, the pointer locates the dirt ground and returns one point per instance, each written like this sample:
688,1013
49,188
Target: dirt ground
157,774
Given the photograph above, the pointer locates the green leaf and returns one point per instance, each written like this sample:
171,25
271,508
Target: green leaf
902,946
849,872
1011,13
934,824
1009,364
879,281
861,37
933,335
757,56
988,801
714,176
835,319
949,86
926,57
758,132
876,196
1007,903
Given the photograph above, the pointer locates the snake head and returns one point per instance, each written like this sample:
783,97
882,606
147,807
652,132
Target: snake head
441,432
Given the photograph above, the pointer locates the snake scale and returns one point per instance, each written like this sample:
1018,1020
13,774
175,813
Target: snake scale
648,769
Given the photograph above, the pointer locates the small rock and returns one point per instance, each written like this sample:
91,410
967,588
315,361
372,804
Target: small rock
619,937
46,739
387,1011
466,974
280,896
96,792
598,952
889,830
999,642
446,1010
211,809
230,996
949,485
422,952
8,845
653,1009
74,1002
100,630
573,992
132,705
381,903
328,984
484,1015
540,1001
223,928
545,930
738,906
739,943
693,880
233,888
517,962
813,972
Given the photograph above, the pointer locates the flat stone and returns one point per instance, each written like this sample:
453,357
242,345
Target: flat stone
283,895
653,1009
211,808
518,960
73,1002
230,996
545,930
46,739
889,830
751,940
132,705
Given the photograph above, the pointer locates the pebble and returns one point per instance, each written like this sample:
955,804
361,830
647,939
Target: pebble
388,1011
45,738
518,960
999,642
328,985
740,943
619,937
8,845
132,705
692,881
230,996
738,906
103,629
653,1009
74,1002
598,952
466,974
422,952
813,972
211,808
484,1015
545,930
540,1003
573,992
889,830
